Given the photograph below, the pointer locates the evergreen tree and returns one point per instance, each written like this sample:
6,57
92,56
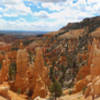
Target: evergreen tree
55,89
0,65
12,71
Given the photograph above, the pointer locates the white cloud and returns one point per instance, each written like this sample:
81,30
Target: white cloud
1,9
62,12
41,14
53,1
68,12
52,6
13,7
0,16
10,15
22,24
93,1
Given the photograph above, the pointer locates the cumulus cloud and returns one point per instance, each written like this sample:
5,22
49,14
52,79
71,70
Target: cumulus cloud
10,15
41,14
22,24
46,14
53,1
14,7
10,2
52,6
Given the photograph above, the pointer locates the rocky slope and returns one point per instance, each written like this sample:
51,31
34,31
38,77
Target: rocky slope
88,25
71,54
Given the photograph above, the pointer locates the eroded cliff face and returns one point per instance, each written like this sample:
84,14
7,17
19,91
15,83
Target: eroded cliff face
89,76
41,79
31,79
4,70
7,94
22,63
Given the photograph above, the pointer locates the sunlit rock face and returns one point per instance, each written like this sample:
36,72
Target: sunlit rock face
22,60
40,74
91,77
4,46
95,69
12,55
4,69
22,63
4,88
84,71
7,94
93,88
31,79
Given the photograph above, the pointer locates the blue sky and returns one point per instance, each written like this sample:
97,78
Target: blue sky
44,15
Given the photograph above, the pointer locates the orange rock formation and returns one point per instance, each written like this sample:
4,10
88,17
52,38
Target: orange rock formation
31,79
4,70
91,78
22,63
41,80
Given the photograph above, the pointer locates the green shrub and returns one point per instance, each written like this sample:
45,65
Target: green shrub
83,90
19,91
12,71
0,65
70,92
55,89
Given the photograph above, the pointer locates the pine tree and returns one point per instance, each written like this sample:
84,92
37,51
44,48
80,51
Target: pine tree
55,89
12,71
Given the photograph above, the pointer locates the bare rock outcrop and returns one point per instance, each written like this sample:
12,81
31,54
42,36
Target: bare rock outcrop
22,63
4,70
4,90
41,78
7,94
90,81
